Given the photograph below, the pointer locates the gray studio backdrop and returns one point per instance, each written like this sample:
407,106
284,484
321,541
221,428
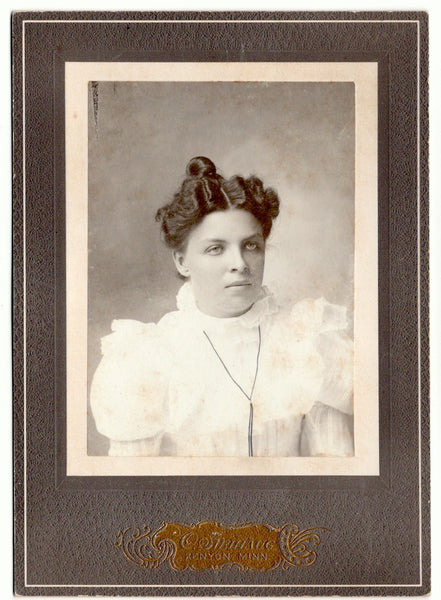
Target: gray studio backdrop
297,137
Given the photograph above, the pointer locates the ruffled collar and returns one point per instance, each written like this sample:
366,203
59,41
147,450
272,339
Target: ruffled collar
264,306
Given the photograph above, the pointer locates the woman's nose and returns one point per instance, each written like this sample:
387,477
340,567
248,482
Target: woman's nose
238,263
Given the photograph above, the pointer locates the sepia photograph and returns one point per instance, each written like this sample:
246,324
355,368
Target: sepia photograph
222,265
226,373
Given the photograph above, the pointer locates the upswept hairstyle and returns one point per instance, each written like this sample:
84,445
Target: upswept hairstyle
203,191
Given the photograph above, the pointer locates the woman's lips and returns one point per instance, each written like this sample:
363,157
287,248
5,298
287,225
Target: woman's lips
238,284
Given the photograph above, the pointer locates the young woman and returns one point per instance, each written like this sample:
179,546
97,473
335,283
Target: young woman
229,373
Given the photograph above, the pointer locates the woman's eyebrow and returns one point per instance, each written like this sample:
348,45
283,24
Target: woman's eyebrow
254,235
257,234
211,240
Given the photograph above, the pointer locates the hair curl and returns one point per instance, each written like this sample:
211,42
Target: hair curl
203,191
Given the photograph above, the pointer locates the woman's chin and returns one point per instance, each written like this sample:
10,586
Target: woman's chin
230,304
235,308
238,312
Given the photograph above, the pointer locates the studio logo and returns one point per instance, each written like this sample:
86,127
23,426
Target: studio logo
212,545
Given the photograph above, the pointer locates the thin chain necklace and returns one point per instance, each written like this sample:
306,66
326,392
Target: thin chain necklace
250,397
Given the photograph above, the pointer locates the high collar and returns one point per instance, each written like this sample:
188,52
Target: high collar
264,306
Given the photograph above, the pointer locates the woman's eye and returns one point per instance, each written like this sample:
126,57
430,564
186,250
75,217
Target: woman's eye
214,250
251,246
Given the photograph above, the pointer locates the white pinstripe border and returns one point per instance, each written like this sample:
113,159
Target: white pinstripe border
171,21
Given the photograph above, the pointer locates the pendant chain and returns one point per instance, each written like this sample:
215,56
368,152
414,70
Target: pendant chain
249,397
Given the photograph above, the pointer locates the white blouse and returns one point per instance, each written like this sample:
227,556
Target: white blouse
163,389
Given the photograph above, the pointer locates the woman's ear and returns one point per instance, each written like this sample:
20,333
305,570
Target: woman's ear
182,268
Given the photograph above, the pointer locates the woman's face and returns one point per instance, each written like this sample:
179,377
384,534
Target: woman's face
224,258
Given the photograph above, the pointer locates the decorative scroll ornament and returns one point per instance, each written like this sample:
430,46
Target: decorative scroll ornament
212,545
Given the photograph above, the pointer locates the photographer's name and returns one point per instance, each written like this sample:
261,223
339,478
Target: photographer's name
210,545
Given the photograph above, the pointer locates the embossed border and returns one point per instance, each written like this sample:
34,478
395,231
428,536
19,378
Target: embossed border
413,309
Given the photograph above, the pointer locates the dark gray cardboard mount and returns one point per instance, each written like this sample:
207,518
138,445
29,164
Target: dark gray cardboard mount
65,527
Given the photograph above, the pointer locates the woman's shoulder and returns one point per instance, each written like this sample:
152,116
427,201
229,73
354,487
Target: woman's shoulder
129,336
311,317
126,335
318,316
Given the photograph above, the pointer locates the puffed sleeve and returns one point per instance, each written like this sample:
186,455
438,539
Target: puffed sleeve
129,389
328,425
327,431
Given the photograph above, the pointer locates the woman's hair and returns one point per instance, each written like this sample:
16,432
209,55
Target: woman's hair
203,191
